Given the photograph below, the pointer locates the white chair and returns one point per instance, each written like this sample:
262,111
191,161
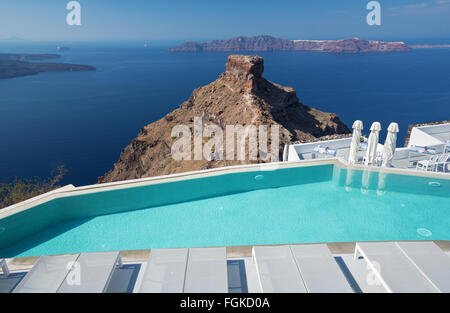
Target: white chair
447,147
442,163
426,165
363,146
378,159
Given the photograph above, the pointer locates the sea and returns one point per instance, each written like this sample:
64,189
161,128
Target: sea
83,120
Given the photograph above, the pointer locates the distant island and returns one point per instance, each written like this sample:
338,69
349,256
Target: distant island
60,48
269,43
17,65
27,57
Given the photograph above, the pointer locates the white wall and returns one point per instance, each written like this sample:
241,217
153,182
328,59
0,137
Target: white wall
423,136
292,154
420,138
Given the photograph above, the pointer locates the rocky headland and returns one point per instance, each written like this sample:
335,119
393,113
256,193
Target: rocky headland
240,96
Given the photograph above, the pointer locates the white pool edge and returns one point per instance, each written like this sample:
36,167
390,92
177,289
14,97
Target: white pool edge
71,190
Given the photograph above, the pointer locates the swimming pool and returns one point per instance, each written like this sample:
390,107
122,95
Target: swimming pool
323,203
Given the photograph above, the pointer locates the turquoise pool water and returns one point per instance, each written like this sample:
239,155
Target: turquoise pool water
299,205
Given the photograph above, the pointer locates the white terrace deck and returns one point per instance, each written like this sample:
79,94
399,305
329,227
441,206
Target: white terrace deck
305,151
242,272
434,136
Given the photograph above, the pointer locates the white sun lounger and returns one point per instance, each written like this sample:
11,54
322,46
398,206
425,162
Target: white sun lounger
277,270
95,271
206,271
431,262
165,271
59,273
393,268
319,270
47,274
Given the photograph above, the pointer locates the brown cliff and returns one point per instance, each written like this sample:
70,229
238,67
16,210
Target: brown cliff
239,96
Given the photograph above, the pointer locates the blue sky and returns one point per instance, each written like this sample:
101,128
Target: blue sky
45,20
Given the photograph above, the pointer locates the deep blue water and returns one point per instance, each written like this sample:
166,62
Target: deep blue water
83,120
